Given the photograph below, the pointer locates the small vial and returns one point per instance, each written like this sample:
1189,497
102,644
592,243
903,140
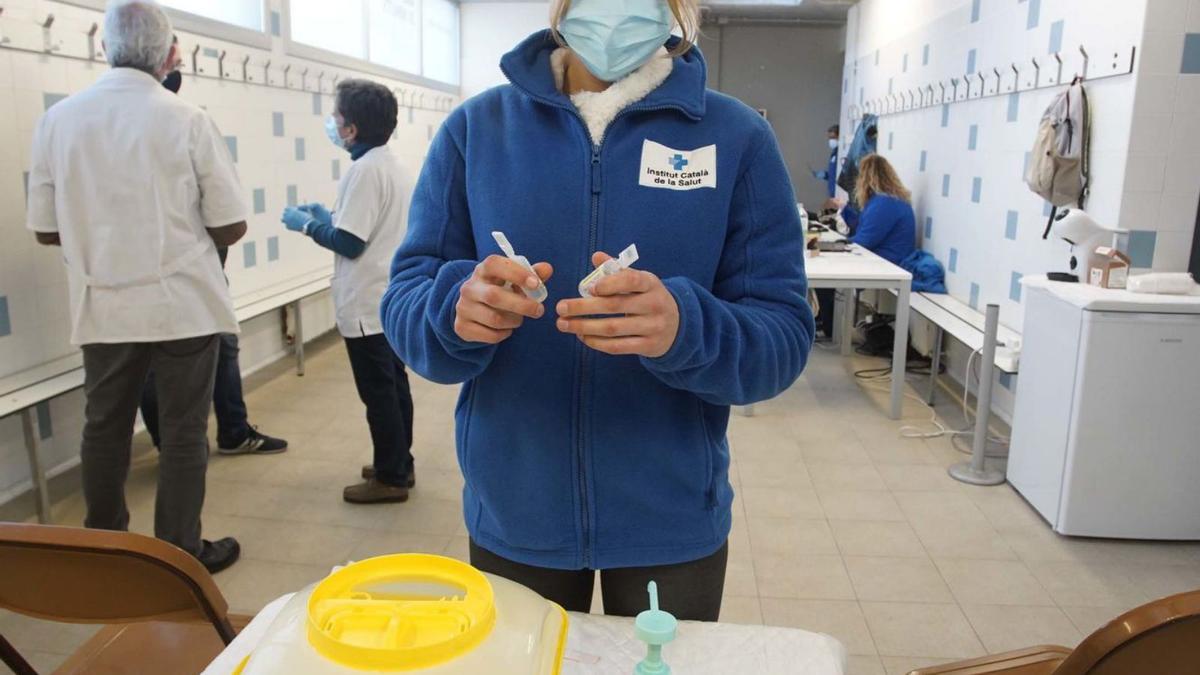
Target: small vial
610,267
538,294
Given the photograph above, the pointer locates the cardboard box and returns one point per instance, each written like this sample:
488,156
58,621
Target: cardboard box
1110,268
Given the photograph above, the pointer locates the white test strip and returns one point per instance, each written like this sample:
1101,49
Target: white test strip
538,294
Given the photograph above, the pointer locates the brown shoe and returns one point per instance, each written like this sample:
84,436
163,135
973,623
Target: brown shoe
368,473
374,492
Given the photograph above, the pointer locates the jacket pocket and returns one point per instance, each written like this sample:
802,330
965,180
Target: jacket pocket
710,488
462,417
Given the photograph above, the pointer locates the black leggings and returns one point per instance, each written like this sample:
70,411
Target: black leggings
691,591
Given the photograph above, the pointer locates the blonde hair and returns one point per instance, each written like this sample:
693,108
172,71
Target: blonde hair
876,176
686,12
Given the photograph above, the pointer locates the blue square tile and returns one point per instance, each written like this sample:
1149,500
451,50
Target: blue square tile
1025,164
923,158
212,53
1047,209
410,110
316,103
300,150
953,266
976,189
272,249
45,427
277,123
1014,106
904,63
276,22
891,138
925,56
845,86
429,132
1010,227
335,168
973,137
231,143
945,115
1014,287
50,99
928,227
5,320
946,185
1006,380
971,62
1056,36
974,302
860,98
260,200
249,254
1034,17
292,196
25,191
1191,54
890,84
1141,248
975,11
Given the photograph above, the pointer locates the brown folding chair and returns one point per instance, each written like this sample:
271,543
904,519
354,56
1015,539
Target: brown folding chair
164,612
1159,637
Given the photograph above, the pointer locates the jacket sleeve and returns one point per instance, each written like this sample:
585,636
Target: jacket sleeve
873,225
437,257
748,338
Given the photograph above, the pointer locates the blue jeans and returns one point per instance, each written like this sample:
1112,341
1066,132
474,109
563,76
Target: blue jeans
382,385
228,404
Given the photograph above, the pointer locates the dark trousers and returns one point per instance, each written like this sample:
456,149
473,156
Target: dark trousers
114,376
691,591
382,385
825,297
232,422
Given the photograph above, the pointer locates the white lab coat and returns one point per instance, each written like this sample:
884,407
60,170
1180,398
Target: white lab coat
372,204
130,176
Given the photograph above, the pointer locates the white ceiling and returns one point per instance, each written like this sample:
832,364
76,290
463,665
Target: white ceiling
794,10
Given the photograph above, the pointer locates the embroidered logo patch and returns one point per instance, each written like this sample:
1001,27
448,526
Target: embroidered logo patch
664,167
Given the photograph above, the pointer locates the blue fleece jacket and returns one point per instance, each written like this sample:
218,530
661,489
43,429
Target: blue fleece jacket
887,227
575,459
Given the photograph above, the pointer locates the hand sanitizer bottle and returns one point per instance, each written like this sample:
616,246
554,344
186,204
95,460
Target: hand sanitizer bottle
656,628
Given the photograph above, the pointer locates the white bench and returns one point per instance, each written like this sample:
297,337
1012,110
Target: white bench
21,392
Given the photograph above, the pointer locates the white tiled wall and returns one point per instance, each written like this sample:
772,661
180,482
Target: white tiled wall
282,155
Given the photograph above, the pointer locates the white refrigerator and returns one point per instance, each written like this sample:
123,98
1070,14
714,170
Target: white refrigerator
1106,429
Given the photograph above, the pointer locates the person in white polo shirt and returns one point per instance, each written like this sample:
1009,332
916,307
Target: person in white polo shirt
369,220
138,188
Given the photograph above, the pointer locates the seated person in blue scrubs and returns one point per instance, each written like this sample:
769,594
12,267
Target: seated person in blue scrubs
886,224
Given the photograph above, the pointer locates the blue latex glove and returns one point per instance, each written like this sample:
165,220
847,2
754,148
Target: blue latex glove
819,175
295,219
318,212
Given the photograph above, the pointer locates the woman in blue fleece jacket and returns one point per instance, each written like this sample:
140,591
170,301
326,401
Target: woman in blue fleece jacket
886,225
592,431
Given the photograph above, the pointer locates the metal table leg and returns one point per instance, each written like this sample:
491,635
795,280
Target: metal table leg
299,338
975,471
41,492
935,362
849,305
900,349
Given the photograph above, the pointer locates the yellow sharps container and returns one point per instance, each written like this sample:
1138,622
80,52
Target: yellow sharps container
412,613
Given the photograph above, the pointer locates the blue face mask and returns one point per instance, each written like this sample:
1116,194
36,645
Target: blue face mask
614,37
331,130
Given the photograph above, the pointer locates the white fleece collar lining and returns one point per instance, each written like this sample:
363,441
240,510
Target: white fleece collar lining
600,108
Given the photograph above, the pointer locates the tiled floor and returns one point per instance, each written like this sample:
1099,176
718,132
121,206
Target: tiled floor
841,525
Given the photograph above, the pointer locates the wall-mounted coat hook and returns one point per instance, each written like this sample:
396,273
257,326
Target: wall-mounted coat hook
1037,73
48,22
1058,59
336,78
1084,73
93,53
48,44
967,88
1016,78
997,72
3,38
267,72
320,82
304,80
287,84
196,60
942,86
930,89
982,83
221,64
246,69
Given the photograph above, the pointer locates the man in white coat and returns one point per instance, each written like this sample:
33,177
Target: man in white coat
138,188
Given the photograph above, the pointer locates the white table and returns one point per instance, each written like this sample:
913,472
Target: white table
602,645
859,268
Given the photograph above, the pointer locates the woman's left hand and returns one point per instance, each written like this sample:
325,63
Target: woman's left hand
646,317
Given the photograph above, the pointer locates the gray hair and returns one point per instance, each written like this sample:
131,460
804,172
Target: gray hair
137,34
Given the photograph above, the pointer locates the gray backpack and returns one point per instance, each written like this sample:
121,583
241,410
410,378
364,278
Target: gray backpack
1058,166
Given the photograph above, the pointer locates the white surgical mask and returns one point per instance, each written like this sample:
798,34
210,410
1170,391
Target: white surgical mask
833,143
615,38
331,130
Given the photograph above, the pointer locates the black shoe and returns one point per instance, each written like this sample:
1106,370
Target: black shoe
220,554
255,443
368,472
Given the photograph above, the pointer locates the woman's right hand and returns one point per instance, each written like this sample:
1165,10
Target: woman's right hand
487,312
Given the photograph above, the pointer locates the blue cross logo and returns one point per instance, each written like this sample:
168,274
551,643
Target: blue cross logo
678,162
